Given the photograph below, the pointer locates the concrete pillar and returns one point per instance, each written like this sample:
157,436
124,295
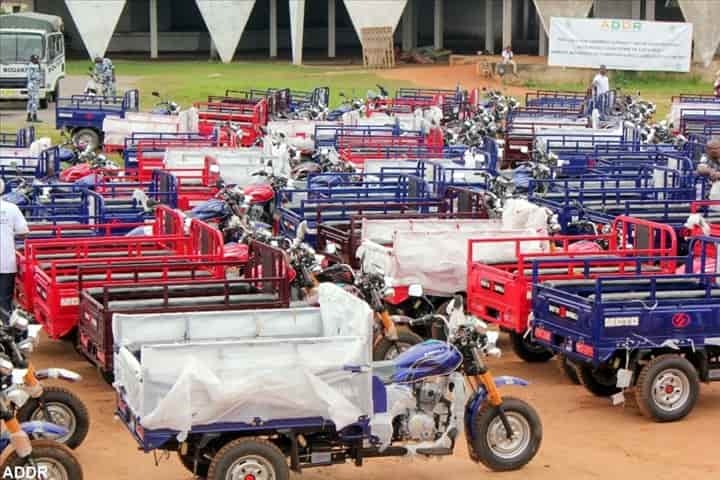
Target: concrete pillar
489,27
415,23
331,29
407,26
153,28
507,22
650,10
273,29
297,29
542,41
438,24
526,18
636,9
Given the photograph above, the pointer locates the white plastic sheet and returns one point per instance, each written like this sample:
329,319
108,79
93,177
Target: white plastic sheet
677,110
270,366
236,164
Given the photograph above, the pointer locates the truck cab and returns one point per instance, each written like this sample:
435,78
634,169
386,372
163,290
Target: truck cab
23,35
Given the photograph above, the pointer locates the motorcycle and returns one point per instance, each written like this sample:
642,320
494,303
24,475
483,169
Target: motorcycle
502,433
348,105
92,167
165,106
20,194
33,402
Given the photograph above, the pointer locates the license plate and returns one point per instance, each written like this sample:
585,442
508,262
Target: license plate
6,92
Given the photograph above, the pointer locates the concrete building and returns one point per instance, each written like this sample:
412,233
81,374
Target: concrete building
326,28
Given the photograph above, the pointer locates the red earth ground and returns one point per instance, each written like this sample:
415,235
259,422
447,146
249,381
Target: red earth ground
584,437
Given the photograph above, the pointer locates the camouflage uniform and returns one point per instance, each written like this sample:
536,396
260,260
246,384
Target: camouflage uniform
106,73
34,82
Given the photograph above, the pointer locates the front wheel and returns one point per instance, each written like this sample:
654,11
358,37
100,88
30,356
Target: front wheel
526,349
48,460
86,136
249,458
65,409
491,445
387,349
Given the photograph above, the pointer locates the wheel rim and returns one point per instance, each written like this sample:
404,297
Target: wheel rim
50,469
85,139
509,448
396,349
250,467
60,414
671,390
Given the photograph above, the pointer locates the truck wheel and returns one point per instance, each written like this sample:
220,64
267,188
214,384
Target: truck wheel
86,136
43,104
490,445
188,461
599,381
249,458
56,93
568,369
65,409
668,388
388,350
528,350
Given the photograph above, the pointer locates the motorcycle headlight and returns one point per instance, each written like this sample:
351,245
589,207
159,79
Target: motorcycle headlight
19,321
6,367
389,292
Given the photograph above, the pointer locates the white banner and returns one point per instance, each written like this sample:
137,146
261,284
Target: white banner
620,44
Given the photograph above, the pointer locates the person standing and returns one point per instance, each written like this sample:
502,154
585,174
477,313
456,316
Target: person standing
716,85
601,82
105,71
12,224
34,82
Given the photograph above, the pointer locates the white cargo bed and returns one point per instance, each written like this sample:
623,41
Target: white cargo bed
176,371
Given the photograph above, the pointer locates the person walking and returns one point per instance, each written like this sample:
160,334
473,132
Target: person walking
34,82
105,71
12,225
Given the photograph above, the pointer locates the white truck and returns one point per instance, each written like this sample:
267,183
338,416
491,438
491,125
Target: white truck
23,35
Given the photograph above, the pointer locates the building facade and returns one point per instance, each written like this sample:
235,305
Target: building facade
325,28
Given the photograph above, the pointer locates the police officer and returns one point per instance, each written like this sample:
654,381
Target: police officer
34,82
106,73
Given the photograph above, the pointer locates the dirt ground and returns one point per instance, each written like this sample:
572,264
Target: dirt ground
584,437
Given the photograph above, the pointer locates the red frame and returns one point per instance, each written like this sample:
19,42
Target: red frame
501,293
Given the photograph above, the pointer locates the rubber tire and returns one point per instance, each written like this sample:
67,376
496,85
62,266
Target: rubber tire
248,446
87,131
528,351
405,335
188,461
49,449
589,379
568,370
53,394
43,103
482,452
646,378
56,93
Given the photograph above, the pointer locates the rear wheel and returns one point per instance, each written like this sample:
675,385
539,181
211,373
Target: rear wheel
86,136
188,461
568,369
531,352
52,460
491,445
667,388
599,381
387,349
249,459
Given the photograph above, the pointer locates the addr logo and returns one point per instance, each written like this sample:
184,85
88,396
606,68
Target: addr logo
621,25
25,472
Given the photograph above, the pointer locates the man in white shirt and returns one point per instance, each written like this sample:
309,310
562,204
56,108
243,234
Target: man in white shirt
601,82
507,58
12,223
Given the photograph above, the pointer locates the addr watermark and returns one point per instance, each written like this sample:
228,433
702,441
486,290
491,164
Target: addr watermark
26,472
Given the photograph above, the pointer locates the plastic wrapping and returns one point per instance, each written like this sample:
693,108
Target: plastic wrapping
236,164
433,252
677,109
575,137
181,370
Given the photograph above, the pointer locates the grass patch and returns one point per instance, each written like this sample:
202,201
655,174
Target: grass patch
191,81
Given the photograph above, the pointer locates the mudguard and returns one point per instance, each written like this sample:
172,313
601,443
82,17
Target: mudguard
58,373
478,398
35,428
